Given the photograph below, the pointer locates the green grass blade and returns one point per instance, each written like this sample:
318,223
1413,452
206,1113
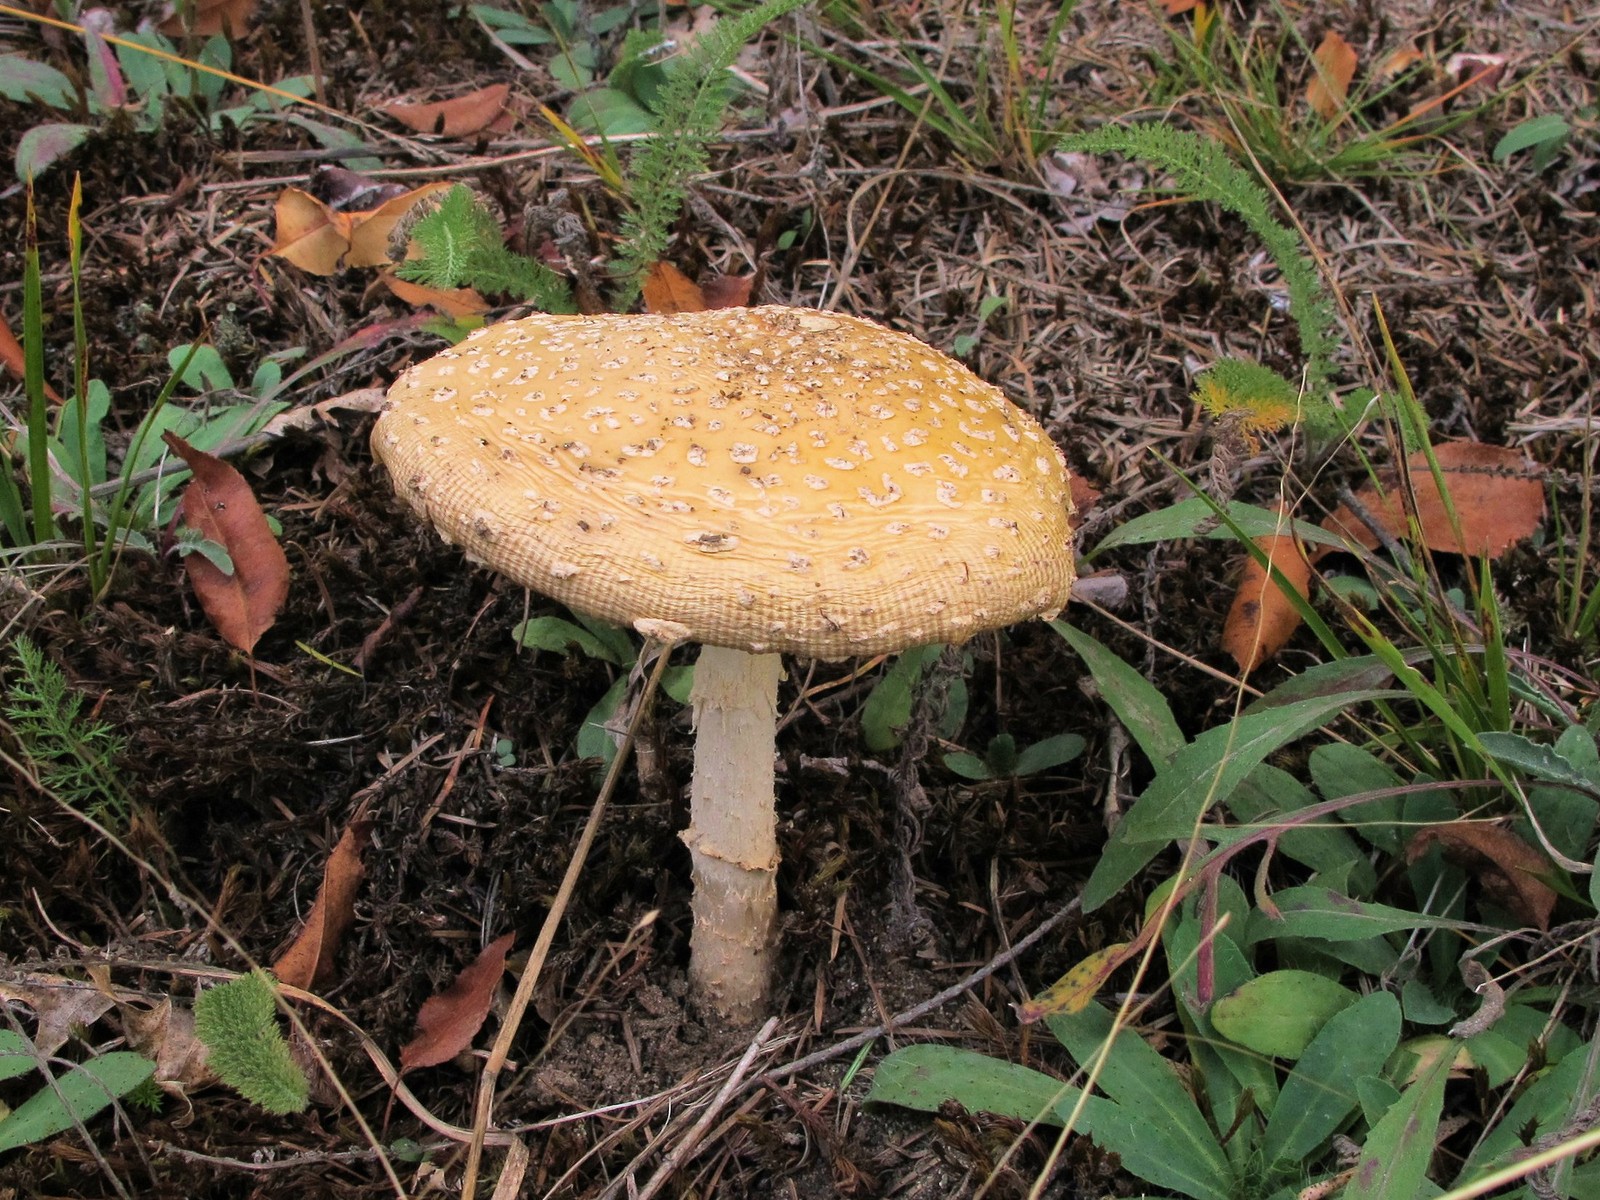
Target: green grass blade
44,522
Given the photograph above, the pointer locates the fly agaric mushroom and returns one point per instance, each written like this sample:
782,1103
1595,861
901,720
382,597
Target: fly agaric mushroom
760,480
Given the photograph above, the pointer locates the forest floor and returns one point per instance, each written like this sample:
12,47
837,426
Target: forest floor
390,685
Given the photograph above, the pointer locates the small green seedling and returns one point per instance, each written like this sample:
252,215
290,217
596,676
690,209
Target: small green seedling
1002,760
965,343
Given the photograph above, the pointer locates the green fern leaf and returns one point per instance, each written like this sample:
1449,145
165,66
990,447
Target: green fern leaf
238,1022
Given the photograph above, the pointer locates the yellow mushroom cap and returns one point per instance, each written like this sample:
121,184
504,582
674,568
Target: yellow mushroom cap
769,479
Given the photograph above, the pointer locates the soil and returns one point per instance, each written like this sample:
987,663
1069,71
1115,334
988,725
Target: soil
458,748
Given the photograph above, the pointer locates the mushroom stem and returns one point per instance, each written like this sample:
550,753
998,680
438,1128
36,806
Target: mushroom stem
732,834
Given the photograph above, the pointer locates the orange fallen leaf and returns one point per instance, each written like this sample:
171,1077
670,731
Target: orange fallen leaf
452,302
309,234
1335,65
1498,497
11,358
318,238
669,290
204,18
1074,990
727,291
1503,865
218,505
460,117
447,1023
1174,8
1262,617
309,958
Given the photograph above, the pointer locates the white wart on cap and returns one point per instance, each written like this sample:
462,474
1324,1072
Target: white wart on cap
769,479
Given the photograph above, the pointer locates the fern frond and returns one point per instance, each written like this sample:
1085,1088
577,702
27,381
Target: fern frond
75,757
690,113
1203,169
460,245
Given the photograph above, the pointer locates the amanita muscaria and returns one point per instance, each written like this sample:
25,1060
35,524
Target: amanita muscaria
763,481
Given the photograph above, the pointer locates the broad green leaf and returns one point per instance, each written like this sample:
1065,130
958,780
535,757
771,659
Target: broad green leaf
1543,1107
1320,1092
1539,760
17,1056
73,449
559,636
1280,1012
1394,1160
606,111
1318,912
1138,703
1545,128
925,1076
1324,846
1187,518
968,766
1341,770
888,706
1147,1089
594,739
1202,773
22,80
1422,1007
80,1094
40,146
1051,752
205,371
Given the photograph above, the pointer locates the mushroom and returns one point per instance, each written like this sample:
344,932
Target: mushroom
760,480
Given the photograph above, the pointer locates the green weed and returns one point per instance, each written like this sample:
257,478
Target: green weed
238,1023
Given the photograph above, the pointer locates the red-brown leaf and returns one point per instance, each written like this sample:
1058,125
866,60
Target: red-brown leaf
1262,617
309,959
1498,497
669,290
210,17
727,291
218,505
1501,863
449,1021
11,357
460,117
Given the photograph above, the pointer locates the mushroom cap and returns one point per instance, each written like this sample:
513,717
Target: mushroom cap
770,479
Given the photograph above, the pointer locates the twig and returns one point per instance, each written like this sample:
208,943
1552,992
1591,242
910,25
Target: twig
839,1049
684,1150
552,921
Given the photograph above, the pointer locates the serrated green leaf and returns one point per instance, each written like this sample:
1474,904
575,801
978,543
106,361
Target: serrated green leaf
1279,1013
78,1095
1319,1095
238,1022
1537,759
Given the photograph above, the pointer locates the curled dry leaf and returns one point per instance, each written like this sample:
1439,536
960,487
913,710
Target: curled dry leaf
309,959
452,302
1262,617
60,1005
449,1021
1504,866
668,290
459,117
167,1035
1334,64
219,506
1497,493
319,238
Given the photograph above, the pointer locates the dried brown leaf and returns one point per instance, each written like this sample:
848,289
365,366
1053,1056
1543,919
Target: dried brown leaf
727,291
1504,866
458,117
369,232
453,302
1335,65
449,1021
218,505
1498,496
309,233
309,959
204,18
167,1035
1262,617
59,1005
669,290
